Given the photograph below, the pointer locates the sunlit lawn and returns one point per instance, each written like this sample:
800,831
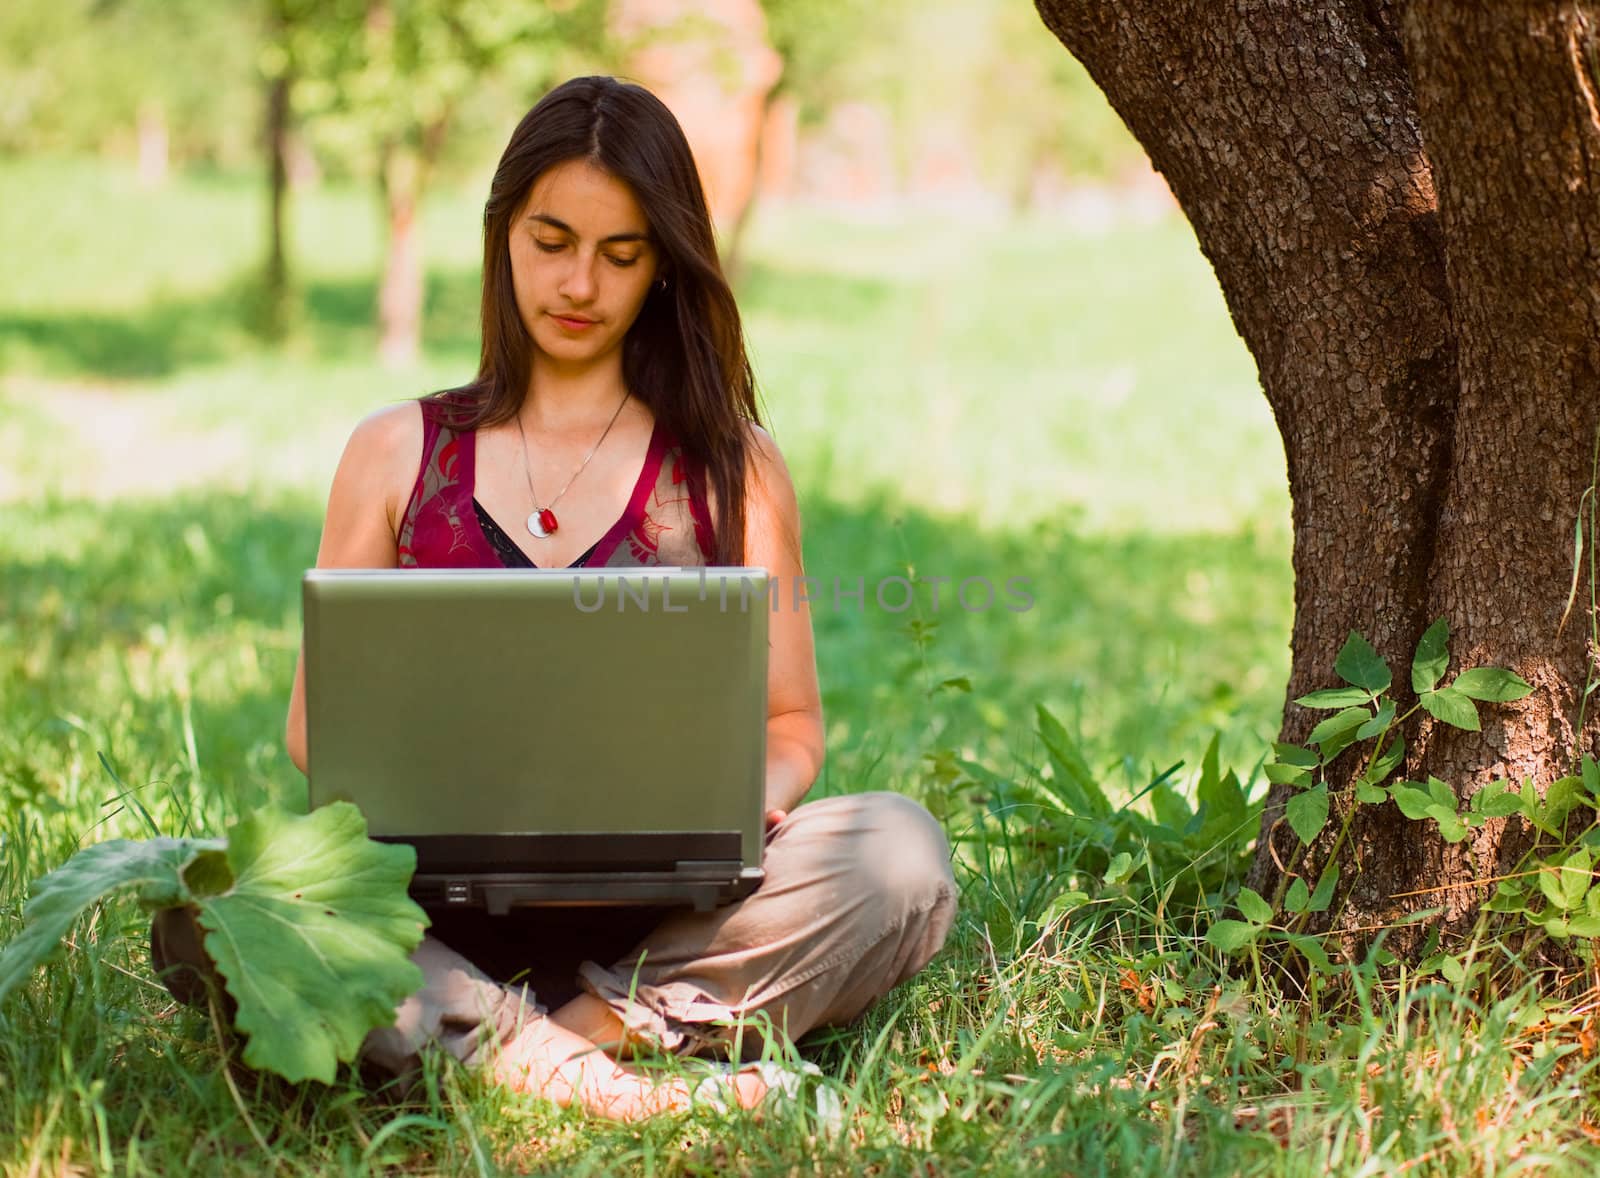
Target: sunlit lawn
964,398
956,398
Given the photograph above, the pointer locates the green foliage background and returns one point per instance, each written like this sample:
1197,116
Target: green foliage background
957,396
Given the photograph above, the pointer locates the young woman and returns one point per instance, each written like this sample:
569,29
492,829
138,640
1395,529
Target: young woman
613,422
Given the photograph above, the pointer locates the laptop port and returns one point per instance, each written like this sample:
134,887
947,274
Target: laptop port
458,891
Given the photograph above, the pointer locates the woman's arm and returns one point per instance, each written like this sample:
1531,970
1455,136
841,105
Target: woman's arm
794,700
370,490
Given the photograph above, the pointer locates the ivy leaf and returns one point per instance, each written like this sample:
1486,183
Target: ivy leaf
1385,762
1308,812
1280,774
1584,926
313,939
1335,697
1432,657
1576,876
1311,949
1337,725
1369,794
1564,795
1378,723
1291,754
1451,828
1119,869
1554,925
1231,935
1358,664
1550,884
1452,707
94,872
1498,803
1298,898
1492,685
1413,802
1323,896
1253,907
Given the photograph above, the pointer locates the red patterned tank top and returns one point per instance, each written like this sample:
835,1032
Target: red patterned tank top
666,521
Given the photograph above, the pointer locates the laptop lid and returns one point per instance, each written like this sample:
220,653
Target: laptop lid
507,720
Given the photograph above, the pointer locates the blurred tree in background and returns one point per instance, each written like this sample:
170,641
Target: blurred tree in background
385,84
865,101
89,74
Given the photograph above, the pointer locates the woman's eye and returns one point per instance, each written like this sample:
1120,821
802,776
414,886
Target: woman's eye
621,263
550,247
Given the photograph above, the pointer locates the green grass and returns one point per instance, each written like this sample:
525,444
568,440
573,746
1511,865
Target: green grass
958,399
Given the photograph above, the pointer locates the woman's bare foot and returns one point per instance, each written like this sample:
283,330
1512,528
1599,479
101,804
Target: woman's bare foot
550,1061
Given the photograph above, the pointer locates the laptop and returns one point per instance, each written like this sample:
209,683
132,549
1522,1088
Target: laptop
546,736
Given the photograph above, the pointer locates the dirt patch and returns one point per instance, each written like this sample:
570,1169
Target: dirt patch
105,442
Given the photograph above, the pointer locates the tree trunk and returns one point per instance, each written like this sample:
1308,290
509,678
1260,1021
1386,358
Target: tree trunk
711,63
154,150
1428,357
275,311
400,295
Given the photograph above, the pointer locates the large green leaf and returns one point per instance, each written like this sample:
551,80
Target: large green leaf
1378,723
88,876
307,920
1335,697
1338,724
313,937
1452,707
1253,907
1323,896
1412,800
1497,801
1298,898
1358,664
1308,812
1386,762
1492,685
1432,657
1231,935
1451,827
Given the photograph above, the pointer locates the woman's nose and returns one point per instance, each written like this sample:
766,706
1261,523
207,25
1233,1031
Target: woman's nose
578,283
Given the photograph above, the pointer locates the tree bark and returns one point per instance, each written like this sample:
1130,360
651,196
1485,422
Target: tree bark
401,291
1512,125
276,294
712,65
1434,465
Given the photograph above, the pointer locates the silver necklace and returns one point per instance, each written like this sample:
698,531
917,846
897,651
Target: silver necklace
542,521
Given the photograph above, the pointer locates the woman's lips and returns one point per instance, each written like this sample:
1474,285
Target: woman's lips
573,324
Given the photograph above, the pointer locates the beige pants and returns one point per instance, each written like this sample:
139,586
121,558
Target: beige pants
858,897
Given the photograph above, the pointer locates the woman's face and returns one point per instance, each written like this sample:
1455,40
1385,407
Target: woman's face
581,262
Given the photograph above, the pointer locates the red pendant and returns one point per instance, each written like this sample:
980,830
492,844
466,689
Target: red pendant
541,522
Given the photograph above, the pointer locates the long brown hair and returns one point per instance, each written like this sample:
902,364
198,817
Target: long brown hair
684,356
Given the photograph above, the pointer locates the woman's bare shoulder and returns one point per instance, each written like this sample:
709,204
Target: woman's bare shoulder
389,431
380,460
765,462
